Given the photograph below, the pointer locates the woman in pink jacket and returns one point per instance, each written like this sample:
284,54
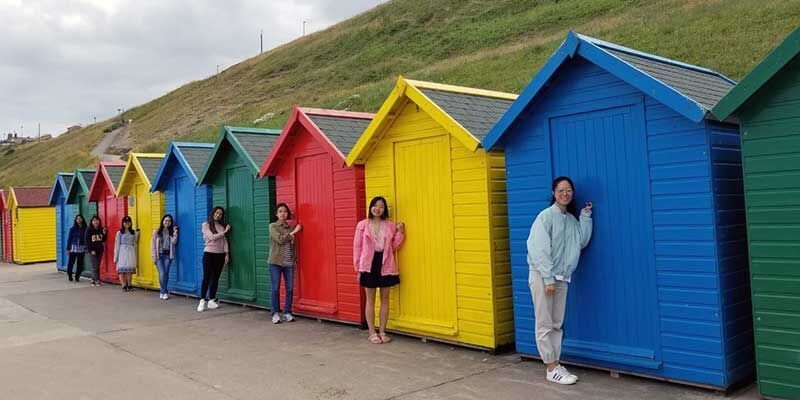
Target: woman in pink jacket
377,238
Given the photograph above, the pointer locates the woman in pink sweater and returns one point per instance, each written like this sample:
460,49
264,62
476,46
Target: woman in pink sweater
215,257
377,238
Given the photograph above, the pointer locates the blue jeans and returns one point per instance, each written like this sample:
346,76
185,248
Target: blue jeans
163,263
275,272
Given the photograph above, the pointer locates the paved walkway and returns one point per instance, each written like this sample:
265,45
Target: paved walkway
62,340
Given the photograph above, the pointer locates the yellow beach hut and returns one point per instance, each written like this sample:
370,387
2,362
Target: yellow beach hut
422,153
33,222
145,209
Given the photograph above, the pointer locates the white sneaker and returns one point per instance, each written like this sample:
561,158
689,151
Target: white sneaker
565,372
166,296
557,375
202,306
276,318
288,317
161,296
212,304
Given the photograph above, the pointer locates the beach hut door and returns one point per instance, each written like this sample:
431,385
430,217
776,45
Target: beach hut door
241,271
316,268
612,310
426,297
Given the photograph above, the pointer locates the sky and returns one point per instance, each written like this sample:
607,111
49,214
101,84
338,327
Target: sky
66,62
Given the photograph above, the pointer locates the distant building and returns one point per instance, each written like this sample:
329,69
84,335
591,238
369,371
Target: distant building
13,138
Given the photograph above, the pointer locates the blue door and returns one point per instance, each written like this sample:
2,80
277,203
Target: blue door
612,311
185,263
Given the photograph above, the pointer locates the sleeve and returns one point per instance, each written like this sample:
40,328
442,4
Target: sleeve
358,244
116,248
275,234
225,244
539,248
397,237
174,238
586,228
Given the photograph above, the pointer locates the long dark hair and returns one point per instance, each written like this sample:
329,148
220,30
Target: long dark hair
571,206
75,222
125,219
211,224
171,228
374,201
99,225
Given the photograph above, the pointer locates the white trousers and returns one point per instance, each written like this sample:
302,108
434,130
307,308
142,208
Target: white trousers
549,313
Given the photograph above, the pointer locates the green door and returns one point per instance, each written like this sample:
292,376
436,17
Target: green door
241,271
88,210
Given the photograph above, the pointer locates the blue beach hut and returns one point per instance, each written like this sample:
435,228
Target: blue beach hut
189,204
662,289
64,215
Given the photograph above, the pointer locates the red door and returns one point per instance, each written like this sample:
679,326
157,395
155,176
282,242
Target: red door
316,264
109,211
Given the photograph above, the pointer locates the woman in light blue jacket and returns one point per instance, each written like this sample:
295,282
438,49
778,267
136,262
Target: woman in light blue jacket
554,248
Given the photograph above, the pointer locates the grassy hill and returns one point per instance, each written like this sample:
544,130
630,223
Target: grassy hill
498,45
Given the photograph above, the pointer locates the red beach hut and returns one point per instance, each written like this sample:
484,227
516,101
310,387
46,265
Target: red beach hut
327,198
110,209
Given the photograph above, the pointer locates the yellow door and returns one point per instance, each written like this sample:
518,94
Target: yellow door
425,300
142,219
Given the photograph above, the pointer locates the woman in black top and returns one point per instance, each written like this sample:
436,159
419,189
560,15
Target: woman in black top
95,239
76,247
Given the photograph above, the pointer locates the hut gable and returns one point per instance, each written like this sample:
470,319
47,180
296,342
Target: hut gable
250,144
81,184
336,131
687,89
192,157
765,71
143,165
465,113
60,187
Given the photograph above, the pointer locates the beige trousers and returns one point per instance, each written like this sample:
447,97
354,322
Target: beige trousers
549,313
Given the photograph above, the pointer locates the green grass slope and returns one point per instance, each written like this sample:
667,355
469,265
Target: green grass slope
496,45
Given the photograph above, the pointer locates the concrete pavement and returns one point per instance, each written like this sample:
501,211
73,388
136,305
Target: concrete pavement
63,340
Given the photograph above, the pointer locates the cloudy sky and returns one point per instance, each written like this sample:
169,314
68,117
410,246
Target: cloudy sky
64,62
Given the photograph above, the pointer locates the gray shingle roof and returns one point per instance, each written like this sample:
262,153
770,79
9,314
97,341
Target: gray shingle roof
87,177
475,113
150,166
704,88
342,131
257,145
196,157
115,174
68,180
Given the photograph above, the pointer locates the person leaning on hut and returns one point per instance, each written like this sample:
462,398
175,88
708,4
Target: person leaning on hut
554,248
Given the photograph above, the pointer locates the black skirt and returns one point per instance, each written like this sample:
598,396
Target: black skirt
373,278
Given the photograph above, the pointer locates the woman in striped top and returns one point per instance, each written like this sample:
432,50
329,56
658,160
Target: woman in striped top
282,257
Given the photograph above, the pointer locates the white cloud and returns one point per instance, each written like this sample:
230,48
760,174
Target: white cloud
63,62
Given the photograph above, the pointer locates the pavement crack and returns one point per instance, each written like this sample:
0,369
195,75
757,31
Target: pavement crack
458,379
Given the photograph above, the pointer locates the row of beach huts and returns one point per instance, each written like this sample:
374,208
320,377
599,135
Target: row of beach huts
692,274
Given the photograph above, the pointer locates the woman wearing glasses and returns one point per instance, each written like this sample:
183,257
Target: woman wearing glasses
554,246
